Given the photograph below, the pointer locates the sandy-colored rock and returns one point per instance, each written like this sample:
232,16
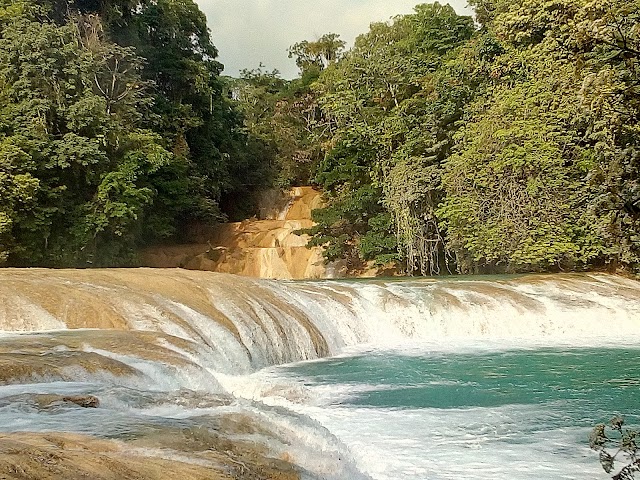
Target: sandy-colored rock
266,248
22,368
45,401
66,456
84,401
85,298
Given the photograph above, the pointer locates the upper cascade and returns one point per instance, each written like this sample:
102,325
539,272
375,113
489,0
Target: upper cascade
264,247
238,325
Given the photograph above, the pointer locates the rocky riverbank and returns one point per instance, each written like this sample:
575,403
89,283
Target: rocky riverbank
170,455
267,246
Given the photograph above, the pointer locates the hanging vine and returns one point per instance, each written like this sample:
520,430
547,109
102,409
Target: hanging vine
411,196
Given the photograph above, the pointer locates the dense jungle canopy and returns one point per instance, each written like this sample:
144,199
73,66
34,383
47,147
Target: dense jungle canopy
115,130
510,143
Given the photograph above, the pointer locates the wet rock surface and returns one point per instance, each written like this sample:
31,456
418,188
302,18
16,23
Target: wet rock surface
266,247
64,456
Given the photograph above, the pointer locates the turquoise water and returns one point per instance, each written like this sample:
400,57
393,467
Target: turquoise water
502,414
478,378
601,381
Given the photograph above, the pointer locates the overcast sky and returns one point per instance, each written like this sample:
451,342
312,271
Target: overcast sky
248,32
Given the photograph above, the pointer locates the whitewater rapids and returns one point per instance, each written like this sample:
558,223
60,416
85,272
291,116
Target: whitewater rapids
248,324
164,349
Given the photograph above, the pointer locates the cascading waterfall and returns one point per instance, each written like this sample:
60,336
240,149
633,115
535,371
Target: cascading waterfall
171,351
257,323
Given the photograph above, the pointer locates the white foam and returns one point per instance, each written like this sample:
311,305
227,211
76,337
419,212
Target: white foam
482,444
269,323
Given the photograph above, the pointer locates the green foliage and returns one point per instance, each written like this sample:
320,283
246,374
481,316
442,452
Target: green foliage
355,229
277,114
607,37
511,144
189,107
19,192
192,113
114,129
566,78
284,116
74,150
389,107
515,195
317,55
620,442
511,148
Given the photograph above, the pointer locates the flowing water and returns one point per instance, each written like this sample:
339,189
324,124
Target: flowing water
381,379
424,414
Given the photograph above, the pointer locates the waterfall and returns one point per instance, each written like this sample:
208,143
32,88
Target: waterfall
247,324
180,360
264,247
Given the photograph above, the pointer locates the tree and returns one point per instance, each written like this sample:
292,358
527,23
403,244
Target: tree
514,195
279,116
76,157
607,36
116,129
389,113
580,42
19,191
199,124
621,442
315,56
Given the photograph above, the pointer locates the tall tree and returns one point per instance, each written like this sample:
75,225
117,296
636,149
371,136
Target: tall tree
72,109
607,37
390,115
314,56
569,80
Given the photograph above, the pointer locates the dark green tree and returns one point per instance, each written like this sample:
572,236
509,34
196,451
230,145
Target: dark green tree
617,444
218,164
76,156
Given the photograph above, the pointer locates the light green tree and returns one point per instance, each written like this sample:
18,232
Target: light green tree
390,109
314,56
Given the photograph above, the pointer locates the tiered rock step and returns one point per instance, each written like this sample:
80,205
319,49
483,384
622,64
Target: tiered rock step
268,248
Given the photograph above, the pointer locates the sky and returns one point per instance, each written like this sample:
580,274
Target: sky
248,32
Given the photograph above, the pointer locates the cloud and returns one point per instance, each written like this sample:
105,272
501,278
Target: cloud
248,32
